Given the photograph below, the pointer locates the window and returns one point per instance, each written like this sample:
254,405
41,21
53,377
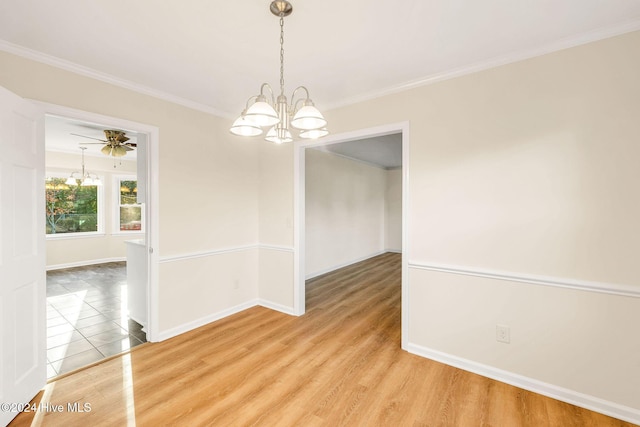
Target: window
129,213
71,208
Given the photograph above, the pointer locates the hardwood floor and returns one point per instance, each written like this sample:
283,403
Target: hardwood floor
339,364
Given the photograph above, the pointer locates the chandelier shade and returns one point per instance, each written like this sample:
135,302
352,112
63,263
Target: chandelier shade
268,111
242,126
279,135
261,113
314,133
308,118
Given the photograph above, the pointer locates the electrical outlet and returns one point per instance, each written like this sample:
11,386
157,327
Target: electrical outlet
503,334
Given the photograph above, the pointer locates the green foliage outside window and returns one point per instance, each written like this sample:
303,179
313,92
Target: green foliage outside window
70,208
130,210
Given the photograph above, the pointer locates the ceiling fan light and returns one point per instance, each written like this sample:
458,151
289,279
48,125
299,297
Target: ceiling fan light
97,182
278,137
314,133
87,181
106,150
244,127
262,114
119,151
71,181
308,118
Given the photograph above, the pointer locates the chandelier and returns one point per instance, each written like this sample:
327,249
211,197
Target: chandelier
85,178
267,111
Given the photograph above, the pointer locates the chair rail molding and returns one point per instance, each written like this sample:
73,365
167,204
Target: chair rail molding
557,282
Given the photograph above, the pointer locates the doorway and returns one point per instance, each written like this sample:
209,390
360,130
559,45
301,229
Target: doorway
89,297
300,228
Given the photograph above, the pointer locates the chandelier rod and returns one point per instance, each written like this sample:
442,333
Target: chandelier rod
281,54
83,148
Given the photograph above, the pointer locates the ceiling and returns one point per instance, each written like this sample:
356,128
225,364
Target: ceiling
213,55
381,151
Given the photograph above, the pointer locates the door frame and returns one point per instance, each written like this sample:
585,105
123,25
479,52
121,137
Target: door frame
151,210
299,199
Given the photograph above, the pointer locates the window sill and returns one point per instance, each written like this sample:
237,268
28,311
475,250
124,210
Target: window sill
127,233
69,236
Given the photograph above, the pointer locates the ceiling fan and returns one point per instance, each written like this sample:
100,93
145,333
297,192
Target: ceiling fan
116,144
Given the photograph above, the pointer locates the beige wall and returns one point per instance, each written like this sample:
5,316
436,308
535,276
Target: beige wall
528,169
276,258
69,250
208,190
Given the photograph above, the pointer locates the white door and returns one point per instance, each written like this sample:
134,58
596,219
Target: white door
22,254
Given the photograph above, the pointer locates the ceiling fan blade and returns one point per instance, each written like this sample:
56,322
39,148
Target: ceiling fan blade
90,137
91,143
131,144
126,147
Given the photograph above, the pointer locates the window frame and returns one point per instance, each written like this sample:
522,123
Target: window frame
100,215
117,179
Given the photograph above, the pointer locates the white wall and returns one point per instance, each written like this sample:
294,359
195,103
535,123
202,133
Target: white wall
69,250
345,211
393,211
353,211
527,174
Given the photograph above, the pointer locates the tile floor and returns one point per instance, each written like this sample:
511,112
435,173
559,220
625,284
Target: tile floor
87,316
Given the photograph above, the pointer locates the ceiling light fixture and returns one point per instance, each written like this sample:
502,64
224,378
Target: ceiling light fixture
86,178
264,110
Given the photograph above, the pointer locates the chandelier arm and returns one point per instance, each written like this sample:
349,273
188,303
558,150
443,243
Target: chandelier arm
298,88
294,102
246,107
268,86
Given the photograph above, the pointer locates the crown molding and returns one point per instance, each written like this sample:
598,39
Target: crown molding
323,149
43,58
565,43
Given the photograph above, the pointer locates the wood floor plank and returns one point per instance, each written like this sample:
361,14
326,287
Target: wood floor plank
340,364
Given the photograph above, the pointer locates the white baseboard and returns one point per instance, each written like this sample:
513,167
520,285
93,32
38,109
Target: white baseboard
394,251
189,326
582,400
85,263
277,307
346,264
